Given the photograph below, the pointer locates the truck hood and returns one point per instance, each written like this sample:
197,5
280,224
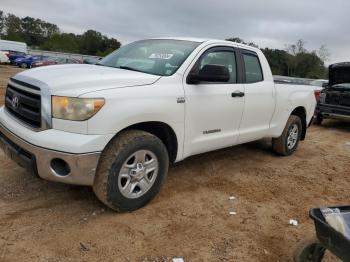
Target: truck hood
78,79
339,73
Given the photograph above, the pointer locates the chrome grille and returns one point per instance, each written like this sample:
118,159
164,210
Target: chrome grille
23,101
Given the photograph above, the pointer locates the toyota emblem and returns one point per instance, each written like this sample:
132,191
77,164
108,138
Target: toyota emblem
15,102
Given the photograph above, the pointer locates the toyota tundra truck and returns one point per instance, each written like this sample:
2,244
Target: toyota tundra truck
118,124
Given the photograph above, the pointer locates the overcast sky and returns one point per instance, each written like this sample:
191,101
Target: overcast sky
268,23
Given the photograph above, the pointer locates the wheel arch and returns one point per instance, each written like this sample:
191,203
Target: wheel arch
300,111
161,130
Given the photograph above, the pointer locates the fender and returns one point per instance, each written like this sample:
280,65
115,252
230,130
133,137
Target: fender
297,98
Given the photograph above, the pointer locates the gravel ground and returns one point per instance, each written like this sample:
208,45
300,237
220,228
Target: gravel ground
44,221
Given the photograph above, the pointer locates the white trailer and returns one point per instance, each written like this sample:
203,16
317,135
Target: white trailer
6,45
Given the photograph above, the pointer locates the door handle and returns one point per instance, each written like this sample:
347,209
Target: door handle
237,94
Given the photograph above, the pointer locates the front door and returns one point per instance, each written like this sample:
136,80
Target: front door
213,110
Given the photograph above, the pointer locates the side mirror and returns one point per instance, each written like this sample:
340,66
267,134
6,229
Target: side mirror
210,73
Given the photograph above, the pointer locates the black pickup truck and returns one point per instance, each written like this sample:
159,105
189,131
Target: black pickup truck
334,99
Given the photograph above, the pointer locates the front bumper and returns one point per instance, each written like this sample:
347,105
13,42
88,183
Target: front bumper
82,167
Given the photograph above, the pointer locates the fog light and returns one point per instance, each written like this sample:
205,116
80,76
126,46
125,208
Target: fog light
60,167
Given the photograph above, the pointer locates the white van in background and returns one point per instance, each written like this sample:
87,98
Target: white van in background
6,45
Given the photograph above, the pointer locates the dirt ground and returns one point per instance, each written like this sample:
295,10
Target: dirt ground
45,221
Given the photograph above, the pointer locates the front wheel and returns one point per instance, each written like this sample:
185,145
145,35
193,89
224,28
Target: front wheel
288,142
131,170
23,65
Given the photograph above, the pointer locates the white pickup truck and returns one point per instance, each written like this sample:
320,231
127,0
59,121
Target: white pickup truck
116,125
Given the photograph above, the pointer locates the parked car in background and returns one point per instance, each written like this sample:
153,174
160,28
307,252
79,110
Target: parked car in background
334,99
117,125
292,80
6,45
55,61
92,61
26,62
319,82
4,57
15,55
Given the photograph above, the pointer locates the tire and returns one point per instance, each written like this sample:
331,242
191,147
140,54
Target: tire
120,182
285,145
309,250
23,65
318,119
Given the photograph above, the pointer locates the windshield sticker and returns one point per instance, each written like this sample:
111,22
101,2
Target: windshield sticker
161,56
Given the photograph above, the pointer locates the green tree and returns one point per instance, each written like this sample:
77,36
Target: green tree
32,32
277,60
2,22
35,31
13,28
93,43
309,65
90,42
106,52
110,44
49,29
62,43
305,64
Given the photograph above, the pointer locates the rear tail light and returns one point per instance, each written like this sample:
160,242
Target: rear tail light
317,95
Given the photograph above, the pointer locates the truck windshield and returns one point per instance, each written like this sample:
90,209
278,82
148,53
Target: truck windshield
158,57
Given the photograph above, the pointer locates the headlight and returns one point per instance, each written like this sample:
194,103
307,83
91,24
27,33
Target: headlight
75,109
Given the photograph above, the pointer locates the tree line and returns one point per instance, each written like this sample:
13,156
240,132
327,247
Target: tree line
39,34
295,60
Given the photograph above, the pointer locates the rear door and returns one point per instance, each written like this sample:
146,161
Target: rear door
213,110
259,99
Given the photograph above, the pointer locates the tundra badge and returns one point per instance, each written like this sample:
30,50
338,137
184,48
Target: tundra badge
181,100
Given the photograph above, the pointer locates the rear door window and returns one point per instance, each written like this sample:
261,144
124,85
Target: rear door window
253,71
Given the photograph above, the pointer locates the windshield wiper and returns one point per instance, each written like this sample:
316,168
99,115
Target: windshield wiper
98,64
129,68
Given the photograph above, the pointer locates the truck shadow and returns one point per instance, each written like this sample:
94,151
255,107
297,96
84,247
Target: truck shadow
336,124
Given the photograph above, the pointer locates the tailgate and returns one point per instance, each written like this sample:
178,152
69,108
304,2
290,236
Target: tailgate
338,97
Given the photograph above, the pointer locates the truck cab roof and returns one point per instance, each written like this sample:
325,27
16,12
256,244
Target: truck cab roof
210,41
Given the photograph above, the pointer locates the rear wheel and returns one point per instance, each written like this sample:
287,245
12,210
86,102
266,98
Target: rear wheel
288,142
131,171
